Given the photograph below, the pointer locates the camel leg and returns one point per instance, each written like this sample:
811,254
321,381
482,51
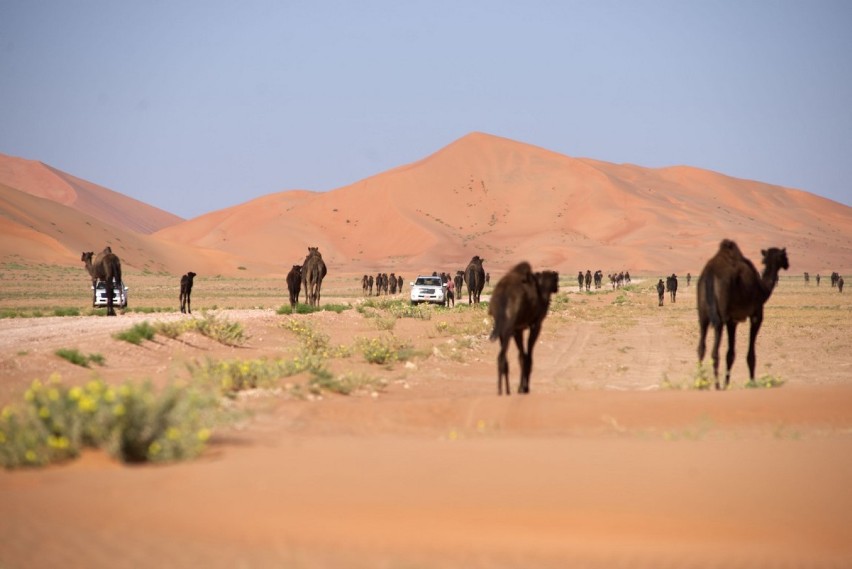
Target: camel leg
110,290
528,360
717,339
756,321
732,336
522,360
503,367
182,301
188,302
703,323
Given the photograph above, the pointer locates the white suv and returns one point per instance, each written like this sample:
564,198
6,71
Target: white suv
428,289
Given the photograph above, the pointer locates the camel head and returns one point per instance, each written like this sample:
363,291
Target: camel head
548,282
87,257
774,260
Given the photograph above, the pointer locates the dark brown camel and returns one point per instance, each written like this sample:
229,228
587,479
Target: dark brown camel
294,284
731,290
474,278
186,292
840,283
106,267
313,272
520,301
671,286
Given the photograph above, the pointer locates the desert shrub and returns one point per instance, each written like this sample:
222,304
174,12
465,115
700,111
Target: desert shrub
175,328
233,376
66,311
345,384
384,350
700,379
398,308
221,329
138,333
286,309
76,357
132,422
314,343
765,381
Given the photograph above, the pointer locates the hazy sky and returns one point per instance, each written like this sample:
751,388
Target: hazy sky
196,106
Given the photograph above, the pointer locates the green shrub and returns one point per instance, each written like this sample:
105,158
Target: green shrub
132,422
345,384
74,356
384,350
221,329
765,381
66,312
286,309
233,376
138,333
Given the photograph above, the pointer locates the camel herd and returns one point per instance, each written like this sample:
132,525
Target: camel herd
836,280
730,290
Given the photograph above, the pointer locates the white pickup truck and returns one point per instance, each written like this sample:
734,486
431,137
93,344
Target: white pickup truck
99,295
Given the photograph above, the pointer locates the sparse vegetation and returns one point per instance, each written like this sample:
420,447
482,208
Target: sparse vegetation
137,334
384,350
133,422
76,357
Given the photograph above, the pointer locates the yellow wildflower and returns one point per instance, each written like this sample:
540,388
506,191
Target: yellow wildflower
173,433
203,435
44,412
75,393
119,410
154,448
53,394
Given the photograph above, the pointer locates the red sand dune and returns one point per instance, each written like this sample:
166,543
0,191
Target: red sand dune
480,195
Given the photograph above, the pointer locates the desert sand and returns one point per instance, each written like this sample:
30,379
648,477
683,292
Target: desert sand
600,466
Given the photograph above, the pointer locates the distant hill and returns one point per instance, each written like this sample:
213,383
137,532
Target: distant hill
481,195
507,201
41,180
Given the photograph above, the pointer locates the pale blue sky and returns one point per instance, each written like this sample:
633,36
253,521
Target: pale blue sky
196,106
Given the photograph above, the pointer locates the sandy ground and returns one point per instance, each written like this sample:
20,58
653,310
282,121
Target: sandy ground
599,466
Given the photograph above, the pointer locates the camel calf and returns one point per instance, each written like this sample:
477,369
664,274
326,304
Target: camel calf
294,284
520,301
186,292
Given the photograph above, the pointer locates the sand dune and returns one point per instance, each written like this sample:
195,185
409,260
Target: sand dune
480,195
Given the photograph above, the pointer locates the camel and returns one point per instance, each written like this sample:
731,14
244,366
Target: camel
598,276
731,290
186,292
399,281
294,284
459,282
840,283
520,301
671,286
661,291
107,268
688,279
588,280
364,283
313,272
580,280
474,278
